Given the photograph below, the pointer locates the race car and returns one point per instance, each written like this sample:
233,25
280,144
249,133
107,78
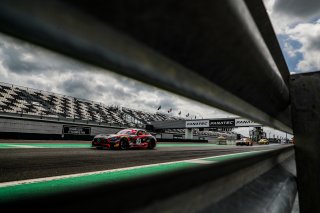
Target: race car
125,139
222,140
263,141
244,141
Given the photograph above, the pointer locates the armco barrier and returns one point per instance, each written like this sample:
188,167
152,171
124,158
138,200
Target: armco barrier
222,53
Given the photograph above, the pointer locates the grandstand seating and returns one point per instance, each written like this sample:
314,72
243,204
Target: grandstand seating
22,101
26,101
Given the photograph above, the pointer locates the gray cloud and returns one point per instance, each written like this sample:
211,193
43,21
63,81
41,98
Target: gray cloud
37,68
12,59
307,35
314,44
26,65
36,84
118,93
167,103
297,25
76,87
134,86
298,8
23,58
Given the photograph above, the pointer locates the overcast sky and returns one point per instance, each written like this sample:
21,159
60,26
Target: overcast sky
24,64
296,23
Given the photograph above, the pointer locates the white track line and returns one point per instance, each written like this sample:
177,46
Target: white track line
199,161
23,146
36,180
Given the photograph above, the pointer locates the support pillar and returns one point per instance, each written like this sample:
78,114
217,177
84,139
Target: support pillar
305,100
188,133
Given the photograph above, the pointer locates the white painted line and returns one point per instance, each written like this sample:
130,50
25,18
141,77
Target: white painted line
23,146
36,180
199,161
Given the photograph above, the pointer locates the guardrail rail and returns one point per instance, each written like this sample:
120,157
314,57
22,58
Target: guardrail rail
222,53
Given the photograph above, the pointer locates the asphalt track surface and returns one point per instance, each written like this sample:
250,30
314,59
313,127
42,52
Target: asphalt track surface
21,160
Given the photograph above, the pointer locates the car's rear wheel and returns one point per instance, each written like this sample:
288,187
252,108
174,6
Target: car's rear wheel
152,144
123,144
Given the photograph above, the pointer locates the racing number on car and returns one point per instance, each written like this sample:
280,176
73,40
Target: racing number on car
138,141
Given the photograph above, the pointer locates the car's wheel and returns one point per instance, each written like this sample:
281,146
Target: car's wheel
151,144
123,144
99,147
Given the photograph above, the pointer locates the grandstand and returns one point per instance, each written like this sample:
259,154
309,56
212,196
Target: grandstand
27,102
22,101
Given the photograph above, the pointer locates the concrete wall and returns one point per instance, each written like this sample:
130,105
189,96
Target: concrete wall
29,126
103,130
167,135
176,124
41,127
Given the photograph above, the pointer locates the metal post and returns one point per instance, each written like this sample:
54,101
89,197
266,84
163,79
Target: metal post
305,90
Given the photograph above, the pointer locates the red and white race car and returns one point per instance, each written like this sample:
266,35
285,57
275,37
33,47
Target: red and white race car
125,139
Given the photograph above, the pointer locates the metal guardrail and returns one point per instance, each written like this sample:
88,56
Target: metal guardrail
305,92
200,52
222,53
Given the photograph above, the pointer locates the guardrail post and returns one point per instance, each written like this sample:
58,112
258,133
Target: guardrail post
305,97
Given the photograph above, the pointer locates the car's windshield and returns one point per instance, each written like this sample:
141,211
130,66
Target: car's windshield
126,132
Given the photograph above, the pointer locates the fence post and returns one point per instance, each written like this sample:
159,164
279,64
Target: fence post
305,90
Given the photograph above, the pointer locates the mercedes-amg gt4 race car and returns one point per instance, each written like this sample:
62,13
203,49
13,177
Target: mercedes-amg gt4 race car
125,139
